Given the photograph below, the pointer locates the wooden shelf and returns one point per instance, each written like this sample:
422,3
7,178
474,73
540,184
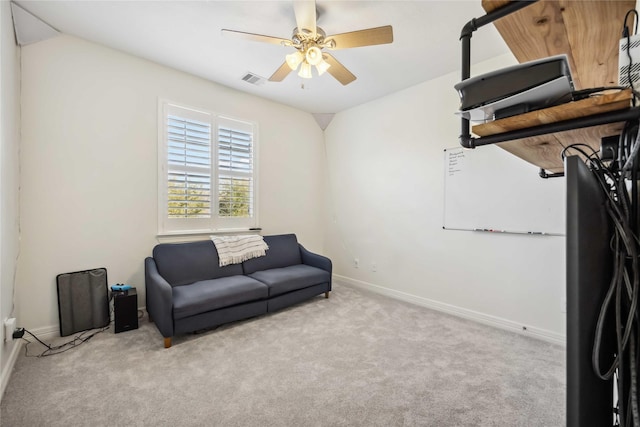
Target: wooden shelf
545,151
588,32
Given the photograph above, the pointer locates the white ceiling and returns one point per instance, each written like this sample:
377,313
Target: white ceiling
186,35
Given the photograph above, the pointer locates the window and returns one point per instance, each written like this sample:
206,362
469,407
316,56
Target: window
207,178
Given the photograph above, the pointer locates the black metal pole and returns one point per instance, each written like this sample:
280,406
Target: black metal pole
465,36
543,174
465,136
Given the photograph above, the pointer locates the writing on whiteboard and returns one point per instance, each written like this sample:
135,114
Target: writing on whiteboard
456,159
492,190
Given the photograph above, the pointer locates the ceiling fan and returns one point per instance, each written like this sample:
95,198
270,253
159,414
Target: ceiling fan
309,40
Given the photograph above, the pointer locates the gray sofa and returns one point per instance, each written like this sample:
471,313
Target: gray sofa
187,290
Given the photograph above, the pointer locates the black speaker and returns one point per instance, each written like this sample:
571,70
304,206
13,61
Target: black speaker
125,309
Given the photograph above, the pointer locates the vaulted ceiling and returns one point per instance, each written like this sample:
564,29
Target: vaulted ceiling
186,35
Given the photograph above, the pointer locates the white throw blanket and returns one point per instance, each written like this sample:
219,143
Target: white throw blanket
236,249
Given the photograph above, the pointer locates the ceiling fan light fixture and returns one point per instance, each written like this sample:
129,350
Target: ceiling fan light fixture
305,71
314,55
294,59
322,67
309,41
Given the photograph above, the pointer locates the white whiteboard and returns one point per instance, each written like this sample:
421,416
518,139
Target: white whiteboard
489,189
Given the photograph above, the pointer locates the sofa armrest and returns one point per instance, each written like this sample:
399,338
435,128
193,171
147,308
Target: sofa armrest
159,298
315,260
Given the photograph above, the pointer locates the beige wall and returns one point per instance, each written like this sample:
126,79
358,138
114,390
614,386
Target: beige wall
9,149
386,172
89,165
89,188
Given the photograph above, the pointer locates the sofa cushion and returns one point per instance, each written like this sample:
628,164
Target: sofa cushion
184,263
283,251
207,295
287,279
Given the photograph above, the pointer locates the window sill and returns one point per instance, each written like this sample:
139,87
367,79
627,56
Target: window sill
195,235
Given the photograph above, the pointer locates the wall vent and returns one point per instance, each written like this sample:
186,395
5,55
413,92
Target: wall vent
254,79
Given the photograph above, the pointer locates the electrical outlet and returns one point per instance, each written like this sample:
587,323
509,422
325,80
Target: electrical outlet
356,263
9,327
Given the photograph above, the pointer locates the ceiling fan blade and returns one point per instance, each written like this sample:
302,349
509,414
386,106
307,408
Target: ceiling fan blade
280,73
338,70
368,37
256,37
305,11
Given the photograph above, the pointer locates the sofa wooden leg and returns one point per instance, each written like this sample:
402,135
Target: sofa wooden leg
326,294
167,342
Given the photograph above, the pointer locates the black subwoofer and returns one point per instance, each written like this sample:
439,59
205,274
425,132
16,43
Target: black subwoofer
125,309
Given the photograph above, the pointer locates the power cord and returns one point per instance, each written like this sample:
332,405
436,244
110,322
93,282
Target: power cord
53,350
75,342
618,180
626,33
588,93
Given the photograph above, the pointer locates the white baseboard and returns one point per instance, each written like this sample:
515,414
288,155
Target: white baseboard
53,331
476,316
46,332
8,367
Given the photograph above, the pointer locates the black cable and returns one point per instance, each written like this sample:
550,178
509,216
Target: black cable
61,348
577,95
577,147
626,33
76,341
633,395
631,156
618,182
627,17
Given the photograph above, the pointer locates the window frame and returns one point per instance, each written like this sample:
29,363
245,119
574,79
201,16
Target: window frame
214,223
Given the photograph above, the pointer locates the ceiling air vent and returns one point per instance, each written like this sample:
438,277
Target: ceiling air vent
254,79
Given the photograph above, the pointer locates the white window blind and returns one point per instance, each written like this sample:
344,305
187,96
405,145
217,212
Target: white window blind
235,169
189,171
207,175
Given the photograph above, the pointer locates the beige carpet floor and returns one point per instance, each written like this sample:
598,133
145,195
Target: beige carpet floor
356,359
